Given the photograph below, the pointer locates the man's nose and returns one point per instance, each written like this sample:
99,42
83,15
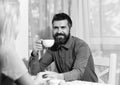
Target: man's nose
59,30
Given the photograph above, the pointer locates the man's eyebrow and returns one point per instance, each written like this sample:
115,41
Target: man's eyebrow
55,26
59,26
62,26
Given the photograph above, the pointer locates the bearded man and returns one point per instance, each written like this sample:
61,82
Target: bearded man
72,56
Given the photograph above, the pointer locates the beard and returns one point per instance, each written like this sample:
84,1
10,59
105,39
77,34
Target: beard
61,38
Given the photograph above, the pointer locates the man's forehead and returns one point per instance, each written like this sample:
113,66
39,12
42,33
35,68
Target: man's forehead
60,22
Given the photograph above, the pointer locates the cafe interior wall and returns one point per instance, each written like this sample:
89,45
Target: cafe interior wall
95,21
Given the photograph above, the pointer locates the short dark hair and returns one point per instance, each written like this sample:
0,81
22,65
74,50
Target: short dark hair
62,16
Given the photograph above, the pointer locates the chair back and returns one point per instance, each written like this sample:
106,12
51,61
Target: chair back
105,68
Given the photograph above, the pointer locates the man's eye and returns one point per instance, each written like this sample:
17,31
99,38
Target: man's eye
55,27
63,27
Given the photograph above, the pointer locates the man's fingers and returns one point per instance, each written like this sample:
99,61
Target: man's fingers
44,76
39,41
47,76
38,47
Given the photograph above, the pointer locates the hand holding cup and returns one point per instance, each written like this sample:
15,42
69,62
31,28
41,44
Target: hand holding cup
43,43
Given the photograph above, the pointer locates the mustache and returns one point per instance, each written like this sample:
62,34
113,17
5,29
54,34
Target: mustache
57,34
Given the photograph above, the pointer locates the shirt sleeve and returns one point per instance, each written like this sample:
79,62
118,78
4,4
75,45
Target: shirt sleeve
13,66
72,75
82,55
37,66
46,60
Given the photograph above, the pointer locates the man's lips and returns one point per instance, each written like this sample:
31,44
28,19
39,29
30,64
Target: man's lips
60,36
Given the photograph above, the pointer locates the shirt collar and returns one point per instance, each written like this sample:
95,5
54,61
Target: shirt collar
69,42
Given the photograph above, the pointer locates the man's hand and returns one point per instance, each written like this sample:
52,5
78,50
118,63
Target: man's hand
37,48
38,45
53,75
43,79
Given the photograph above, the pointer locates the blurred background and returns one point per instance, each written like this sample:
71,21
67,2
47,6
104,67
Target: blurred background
95,21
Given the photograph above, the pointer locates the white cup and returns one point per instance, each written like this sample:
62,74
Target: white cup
48,42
